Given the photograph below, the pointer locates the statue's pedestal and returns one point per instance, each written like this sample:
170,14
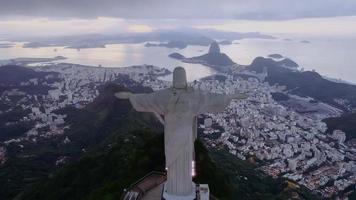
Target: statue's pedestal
167,196
203,192
152,187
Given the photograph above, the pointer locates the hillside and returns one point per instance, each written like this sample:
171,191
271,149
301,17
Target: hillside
307,83
217,59
106,117
248,183
345,123
13,74
92,128
16,83
11,77
104,175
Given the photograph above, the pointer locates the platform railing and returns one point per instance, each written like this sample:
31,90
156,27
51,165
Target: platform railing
142,191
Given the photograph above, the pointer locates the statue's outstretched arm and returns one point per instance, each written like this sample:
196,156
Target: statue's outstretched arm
126,95
145,102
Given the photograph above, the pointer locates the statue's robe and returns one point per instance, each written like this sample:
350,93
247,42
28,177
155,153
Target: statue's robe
179,108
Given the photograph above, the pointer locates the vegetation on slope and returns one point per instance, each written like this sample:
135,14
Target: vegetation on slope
91,129
104,175
11,77
307,83
346,123
231,178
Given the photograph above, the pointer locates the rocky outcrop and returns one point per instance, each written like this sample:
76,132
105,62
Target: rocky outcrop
214,48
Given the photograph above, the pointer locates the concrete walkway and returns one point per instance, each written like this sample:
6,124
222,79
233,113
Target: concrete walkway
154,194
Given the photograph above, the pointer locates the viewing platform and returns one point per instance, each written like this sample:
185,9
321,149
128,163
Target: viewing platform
151,186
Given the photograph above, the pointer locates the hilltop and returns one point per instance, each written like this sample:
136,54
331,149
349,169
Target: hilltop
214,58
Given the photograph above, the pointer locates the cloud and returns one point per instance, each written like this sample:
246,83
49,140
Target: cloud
139,28
179,9
49,27
330,27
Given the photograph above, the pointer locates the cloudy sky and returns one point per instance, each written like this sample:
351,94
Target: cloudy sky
144,9
63,17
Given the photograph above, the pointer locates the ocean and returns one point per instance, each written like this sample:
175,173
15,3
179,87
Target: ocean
334,58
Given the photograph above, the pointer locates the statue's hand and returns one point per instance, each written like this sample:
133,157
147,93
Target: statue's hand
123,95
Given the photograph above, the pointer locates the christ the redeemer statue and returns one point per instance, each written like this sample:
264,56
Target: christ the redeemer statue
179,105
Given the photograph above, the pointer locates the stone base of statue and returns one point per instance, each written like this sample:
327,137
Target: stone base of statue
152,187
192,196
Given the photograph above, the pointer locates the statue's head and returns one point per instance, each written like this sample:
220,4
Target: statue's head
179,78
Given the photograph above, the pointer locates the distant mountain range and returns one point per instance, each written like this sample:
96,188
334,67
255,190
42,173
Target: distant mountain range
170,44
6,45
186,37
